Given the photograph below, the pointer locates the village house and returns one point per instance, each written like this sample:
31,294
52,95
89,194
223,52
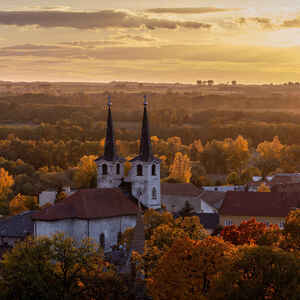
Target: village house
266,207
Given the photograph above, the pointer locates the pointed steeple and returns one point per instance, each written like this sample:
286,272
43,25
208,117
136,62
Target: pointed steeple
145,145
110,153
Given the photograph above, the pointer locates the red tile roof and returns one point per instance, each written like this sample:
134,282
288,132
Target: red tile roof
179,189
90,204
258,204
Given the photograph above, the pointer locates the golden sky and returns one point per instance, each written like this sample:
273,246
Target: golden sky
159,40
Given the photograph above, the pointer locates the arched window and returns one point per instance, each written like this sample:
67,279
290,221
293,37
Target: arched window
118,169
153,170
139,170
104,169
102,240
154,194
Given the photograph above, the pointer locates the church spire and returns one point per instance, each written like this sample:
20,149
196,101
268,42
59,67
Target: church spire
110,148
145,145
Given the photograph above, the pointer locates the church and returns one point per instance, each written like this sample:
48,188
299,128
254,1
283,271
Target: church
102,214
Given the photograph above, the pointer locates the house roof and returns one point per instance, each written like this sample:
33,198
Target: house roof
179,189
214,199
18,226
90,204
259,204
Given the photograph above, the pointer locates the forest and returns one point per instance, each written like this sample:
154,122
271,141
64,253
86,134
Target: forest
48,142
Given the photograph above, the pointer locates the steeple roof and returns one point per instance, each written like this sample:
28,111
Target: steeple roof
110,151
145,154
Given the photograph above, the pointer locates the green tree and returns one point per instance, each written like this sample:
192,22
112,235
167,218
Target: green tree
57,268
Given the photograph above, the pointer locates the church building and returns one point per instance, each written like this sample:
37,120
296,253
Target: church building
105,212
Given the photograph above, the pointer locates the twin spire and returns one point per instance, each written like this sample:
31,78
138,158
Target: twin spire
110,153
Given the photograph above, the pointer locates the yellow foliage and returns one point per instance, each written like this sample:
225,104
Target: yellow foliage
263,188
6,182
270,150
181,168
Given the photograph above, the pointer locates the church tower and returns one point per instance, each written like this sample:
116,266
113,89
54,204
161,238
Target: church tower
110,166
144,174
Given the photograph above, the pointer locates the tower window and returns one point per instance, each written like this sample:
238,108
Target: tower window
118,169
139,170
153,170
154,194
104,169
102,240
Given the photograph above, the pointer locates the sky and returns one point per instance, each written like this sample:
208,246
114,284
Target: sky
255,41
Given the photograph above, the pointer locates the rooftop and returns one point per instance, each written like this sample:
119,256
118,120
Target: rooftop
90,204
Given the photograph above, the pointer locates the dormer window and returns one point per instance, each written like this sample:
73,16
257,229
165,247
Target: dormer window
139,170
118,168
153,170
104,169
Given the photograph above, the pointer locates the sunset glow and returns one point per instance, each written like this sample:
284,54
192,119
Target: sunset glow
161,41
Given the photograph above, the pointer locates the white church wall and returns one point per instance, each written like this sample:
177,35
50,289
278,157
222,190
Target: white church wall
110,227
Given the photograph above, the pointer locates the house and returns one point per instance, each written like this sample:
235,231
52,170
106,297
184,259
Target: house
105,212
269,208
14,229
175,195
211,202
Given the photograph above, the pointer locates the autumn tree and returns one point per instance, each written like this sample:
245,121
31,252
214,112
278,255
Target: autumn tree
6,182
259,272
22,203
181,168
263,188
269,155
291,232
163,237
188,268
86,173
251,232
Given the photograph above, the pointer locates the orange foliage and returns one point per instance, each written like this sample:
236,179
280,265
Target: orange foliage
188,268
251,232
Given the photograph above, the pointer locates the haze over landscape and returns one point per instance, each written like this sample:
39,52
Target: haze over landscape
161,41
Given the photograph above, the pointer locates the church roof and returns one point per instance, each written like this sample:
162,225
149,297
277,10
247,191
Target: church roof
145,154
110,151
90,204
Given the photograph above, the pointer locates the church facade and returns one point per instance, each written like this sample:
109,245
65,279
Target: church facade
105,212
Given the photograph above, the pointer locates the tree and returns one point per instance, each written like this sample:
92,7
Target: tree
259,272
22,203
188,268
163,237
86,173
187,210
251,232
181,169
270,153
233,178
291,231
57,268
6,182
263,188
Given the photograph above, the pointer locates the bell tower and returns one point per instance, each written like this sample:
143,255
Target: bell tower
144,174
110,166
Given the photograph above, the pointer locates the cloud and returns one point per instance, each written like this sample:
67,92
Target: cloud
191,10
187,53
92,20
136,38
293,23
266,23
